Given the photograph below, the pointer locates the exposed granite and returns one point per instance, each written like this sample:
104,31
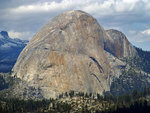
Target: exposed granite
117,44
66,54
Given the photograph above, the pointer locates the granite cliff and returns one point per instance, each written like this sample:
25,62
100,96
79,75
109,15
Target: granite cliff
71,52
117,44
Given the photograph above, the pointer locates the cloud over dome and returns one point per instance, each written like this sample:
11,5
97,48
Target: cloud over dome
28,16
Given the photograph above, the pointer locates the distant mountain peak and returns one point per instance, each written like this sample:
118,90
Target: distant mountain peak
9,50
118,44
4,34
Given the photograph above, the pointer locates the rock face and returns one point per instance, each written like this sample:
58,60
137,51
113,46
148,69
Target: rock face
71,52
117,44
66,54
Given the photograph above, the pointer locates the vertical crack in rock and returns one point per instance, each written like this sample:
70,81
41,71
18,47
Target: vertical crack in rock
98,65
96,78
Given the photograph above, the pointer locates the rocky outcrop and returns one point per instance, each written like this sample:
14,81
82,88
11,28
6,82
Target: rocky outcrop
66,54
117,44
71,52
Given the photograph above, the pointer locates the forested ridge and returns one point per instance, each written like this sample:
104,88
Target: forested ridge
136,102
143,61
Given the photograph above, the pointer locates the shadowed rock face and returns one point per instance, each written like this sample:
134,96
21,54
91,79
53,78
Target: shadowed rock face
66,54
117,44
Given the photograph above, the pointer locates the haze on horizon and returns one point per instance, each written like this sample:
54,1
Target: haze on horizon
23,18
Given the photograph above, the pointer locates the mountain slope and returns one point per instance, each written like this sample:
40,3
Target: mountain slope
118,45
66,54
9,51
74,52
143,62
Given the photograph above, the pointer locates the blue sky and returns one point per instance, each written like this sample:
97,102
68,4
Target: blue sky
23,18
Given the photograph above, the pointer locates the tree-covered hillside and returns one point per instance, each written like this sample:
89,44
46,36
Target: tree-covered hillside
80,103
144,61
134,76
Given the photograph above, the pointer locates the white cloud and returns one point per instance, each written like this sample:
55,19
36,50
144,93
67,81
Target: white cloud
92,6
98,8
129,16
21,35
125,5
146,32
140,37
48,6
132,32
39,7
